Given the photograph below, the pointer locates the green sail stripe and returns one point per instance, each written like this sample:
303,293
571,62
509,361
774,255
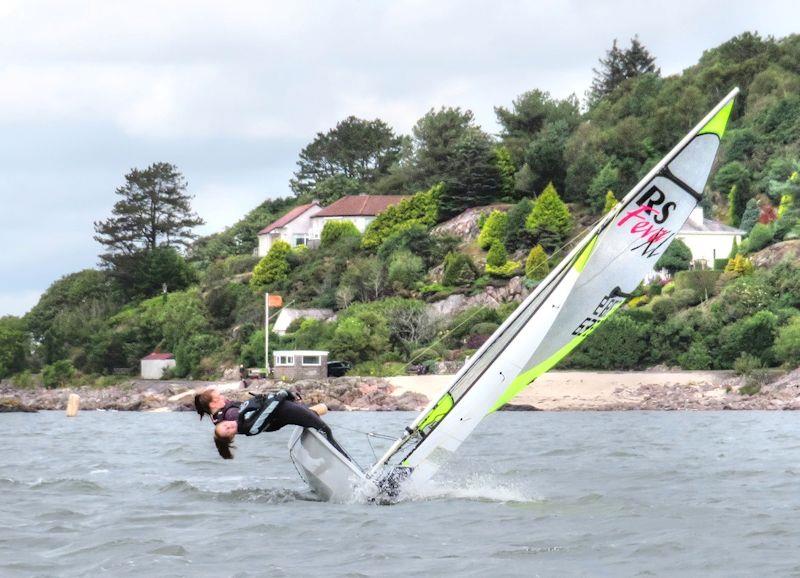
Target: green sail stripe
584,257
717,124
523,380
436,414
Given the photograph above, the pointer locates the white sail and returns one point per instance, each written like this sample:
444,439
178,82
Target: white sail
583,290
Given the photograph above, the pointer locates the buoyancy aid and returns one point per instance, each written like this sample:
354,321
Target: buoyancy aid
254,414
228,412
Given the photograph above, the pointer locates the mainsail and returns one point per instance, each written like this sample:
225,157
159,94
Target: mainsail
592,281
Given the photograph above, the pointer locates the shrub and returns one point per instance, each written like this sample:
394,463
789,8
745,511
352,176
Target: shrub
610,202
497,256
742,297
334,231
378,369
746,363
684,298
459,270
485,328
421,208
750,215
58,373
787,344
536,265
677,257
405,269
504,271
759,237
739,265
696,357
550,220
668,289
753,335
663,307
494,229
517,236
416,239
702,283
273,268
191,351
618,343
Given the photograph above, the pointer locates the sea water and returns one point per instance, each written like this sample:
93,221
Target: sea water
531,494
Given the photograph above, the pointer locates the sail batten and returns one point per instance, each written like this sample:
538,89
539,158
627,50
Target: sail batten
582,291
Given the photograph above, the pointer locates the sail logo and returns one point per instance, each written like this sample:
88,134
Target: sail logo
644,219
607,303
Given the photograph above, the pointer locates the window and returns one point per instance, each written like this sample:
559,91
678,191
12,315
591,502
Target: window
284,360
312,360
300,240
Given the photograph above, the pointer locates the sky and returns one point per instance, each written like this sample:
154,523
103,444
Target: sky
231,91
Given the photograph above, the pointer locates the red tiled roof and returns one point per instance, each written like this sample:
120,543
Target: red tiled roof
287,218
360,205
158,356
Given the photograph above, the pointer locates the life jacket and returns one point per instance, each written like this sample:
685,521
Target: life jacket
255,413
222,414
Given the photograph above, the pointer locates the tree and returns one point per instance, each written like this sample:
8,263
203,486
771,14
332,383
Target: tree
676,258
458,270
434,140
473,179
536,266
15,345
154,211
750,215
273,267
334,188
610,202
507,171
497,255
550,221
494,229
405,269
736,205
421,209
517,236
357,149
606,180
618,66
787,345
334,231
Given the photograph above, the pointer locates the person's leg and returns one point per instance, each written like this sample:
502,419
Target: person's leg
291,413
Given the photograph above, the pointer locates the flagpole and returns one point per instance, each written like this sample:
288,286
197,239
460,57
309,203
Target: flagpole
266,333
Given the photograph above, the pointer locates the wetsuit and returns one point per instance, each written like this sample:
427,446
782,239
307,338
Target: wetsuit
286,412
229,412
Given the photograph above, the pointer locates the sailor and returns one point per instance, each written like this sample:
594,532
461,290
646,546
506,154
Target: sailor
261,413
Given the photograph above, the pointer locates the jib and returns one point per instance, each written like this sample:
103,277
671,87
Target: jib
655,197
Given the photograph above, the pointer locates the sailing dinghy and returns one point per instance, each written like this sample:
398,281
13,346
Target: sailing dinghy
589,284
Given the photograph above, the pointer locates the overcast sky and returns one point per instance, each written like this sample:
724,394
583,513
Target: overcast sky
231,91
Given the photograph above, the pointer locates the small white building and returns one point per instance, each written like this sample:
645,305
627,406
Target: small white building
288,315
361,210
155,364
300,364
292,228
708,239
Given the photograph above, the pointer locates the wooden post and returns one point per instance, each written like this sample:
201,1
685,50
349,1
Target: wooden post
73,404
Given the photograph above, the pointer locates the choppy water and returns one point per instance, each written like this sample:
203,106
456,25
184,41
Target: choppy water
549,494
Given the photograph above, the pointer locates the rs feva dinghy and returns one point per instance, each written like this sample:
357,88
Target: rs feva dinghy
589,284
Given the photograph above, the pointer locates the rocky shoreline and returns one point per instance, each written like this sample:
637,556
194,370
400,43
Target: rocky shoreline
775,392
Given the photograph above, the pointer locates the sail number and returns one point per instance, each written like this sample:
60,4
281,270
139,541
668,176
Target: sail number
606,304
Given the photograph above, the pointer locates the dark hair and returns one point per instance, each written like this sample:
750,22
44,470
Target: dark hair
224,446
202,403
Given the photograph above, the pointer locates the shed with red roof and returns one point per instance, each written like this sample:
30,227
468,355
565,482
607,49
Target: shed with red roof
155,364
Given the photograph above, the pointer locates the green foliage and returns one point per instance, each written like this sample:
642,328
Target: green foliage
357,149
746,364
421,209
333,188
618,66
517,236
191,351
702,283
416,239
619,342
435,138
252,354
334,231
750,215
405,270
754,335
536,265
502,158
696,357
360,337
676,258
610,202
493,229
504,271
15,345
497,255
760,236
379,369
273,268
550,221
364,280
603,183
787,344
58,374
147,272
474,178
459,270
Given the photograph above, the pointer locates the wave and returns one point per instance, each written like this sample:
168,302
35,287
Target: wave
68,484
245,494
478,487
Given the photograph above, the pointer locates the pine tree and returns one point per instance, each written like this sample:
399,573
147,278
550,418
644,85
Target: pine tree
611,202
505,165
536,266
494,229
474,178
618,66
517,236
736,204
750,216
550,221
497,255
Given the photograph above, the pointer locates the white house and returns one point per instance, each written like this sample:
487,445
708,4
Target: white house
293,228
361,210
155,364
288,315
707,239
300,364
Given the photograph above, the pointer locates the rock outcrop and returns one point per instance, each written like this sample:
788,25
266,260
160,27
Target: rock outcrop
514,290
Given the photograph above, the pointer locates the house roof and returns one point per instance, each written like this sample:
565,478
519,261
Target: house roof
158,357
299,352
709,226
360,205
287,218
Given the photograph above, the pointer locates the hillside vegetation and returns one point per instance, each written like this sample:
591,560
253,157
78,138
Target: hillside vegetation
555,168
